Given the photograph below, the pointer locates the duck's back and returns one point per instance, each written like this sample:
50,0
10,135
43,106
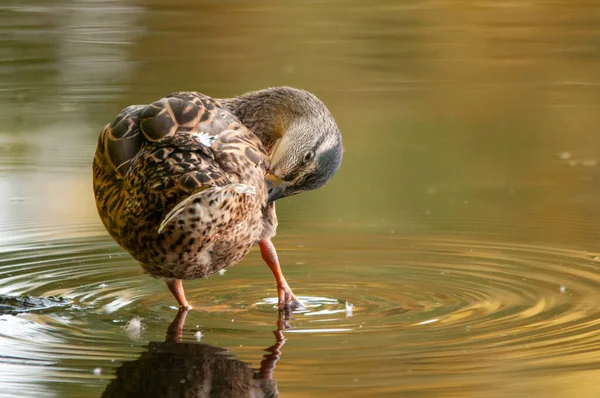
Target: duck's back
180,184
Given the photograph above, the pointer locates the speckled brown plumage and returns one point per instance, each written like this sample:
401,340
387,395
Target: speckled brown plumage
187,188
151,158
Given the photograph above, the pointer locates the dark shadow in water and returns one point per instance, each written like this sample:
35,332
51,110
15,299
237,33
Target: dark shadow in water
176,369
14,305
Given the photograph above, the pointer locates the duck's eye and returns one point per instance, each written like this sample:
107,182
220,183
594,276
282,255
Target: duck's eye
308,156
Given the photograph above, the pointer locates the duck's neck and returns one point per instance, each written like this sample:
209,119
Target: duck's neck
269,113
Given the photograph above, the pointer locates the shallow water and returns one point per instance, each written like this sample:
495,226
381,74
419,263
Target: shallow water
456,254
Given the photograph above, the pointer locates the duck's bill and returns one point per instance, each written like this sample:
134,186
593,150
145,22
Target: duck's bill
276,187
276,193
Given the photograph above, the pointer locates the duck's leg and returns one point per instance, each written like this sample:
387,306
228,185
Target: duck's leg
176,287
285,295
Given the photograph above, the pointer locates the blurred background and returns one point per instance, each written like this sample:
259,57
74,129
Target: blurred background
495,102
473,120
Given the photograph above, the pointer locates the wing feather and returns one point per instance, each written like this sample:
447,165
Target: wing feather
156,163
205,214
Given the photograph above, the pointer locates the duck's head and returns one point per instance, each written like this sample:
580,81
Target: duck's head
304,142
306,157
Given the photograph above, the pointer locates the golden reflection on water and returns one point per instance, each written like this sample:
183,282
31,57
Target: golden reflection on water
461,227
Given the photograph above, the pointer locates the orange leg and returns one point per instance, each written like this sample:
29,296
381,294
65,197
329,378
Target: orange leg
286,297
176,287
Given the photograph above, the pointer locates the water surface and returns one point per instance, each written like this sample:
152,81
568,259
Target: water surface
456,253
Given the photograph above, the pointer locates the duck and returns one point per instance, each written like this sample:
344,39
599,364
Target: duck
187,185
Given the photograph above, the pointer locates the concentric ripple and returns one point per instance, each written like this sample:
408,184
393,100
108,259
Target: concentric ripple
410,307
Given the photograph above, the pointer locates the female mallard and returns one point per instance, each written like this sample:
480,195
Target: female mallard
187,184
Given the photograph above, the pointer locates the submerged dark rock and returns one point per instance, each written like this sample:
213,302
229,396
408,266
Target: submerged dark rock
13,305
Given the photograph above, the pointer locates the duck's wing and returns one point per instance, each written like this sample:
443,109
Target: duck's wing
167,121
153,161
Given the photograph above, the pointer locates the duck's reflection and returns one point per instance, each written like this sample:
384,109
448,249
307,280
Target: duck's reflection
176,369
